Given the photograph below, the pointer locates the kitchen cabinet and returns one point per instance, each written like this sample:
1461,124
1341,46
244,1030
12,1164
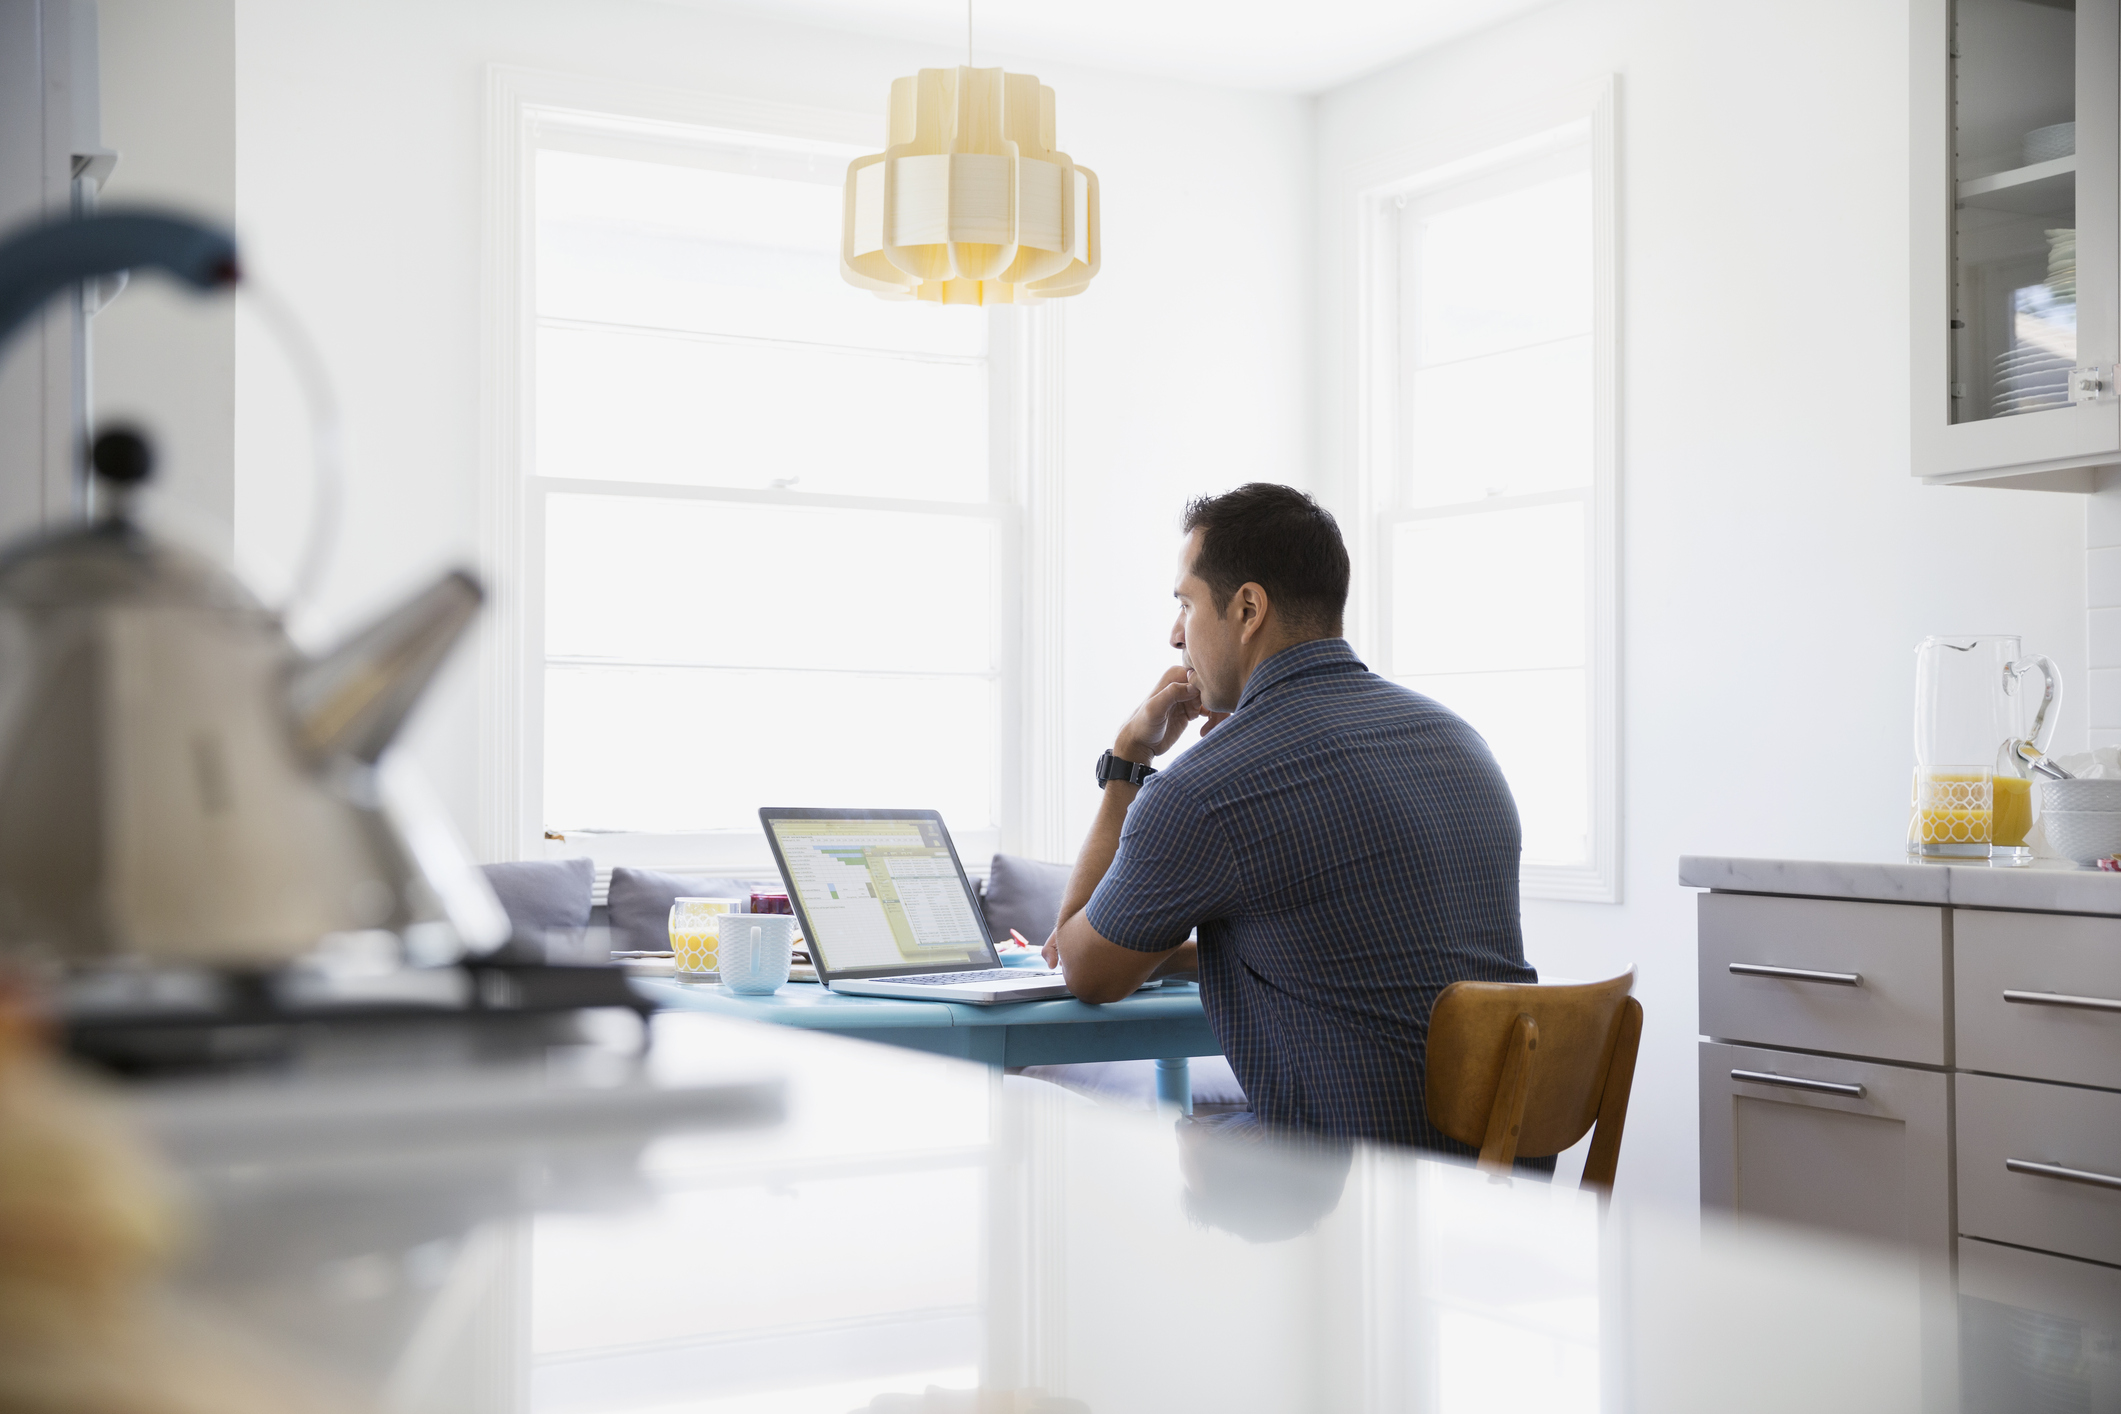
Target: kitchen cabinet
1929,1055
2013,138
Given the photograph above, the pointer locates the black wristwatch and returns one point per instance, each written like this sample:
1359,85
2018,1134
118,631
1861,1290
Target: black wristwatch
1117,768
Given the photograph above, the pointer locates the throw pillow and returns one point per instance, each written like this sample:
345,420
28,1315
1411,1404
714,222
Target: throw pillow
543,895
1024,894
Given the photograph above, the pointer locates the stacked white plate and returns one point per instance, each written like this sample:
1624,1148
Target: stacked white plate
2031,379
2062,264
2082,818
2048,143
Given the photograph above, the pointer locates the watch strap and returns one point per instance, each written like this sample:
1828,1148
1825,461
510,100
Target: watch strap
1112,768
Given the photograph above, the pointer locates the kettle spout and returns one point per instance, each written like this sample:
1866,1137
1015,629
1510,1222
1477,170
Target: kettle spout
351,701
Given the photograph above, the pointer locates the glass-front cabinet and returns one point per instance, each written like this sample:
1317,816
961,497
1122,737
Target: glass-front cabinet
2013,143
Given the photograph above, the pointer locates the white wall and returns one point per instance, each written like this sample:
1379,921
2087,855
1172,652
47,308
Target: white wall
2102,585
359,183
1778,561
165,358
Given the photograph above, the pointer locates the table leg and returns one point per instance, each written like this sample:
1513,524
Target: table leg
1174,1084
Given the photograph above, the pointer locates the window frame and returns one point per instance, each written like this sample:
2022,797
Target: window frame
530,111
1380,476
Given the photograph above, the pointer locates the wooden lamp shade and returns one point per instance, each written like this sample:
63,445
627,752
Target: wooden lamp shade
970,203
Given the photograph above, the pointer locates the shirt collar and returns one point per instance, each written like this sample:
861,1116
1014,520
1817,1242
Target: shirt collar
1331,654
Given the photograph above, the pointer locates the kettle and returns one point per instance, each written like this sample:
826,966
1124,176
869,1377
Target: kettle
179,784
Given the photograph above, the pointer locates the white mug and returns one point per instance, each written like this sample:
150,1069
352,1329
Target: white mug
754,951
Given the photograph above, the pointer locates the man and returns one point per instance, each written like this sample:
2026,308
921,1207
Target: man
1346,848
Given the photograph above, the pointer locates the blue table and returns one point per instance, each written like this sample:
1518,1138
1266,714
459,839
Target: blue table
1166,1025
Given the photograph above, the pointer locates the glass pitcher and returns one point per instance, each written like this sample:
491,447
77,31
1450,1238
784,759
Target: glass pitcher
1973,788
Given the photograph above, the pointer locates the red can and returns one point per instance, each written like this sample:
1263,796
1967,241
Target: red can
771,903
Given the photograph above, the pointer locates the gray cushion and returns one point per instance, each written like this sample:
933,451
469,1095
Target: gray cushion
641,899
543,895
1024,894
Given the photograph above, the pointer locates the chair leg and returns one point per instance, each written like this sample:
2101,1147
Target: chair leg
1599,1165
1498,1150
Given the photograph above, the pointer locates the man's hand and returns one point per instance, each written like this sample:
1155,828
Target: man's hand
1163,716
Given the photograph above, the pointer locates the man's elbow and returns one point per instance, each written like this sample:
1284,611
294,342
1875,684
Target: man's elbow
1097,990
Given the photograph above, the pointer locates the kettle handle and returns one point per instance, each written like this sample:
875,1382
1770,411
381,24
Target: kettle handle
43,259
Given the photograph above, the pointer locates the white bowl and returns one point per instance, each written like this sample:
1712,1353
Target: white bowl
2084,836
2080,797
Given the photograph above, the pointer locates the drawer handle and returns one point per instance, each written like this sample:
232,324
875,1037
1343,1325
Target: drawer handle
1797,974
2067,1175
1798,1082
2063,999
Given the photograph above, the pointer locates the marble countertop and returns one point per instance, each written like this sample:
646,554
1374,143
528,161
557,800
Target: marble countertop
2047,886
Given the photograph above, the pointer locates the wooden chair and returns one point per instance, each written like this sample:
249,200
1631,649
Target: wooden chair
1524,1070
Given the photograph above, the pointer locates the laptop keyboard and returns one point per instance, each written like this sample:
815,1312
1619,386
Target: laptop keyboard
992,974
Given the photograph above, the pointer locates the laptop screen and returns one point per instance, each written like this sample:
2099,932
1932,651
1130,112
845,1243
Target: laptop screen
879,890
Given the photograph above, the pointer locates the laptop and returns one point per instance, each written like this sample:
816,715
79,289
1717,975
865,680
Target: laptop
887,911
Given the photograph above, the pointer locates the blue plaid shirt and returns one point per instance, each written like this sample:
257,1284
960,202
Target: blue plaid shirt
1347,849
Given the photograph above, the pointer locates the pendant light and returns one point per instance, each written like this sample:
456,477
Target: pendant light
970,203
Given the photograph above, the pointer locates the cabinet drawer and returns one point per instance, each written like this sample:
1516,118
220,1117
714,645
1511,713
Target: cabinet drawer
2012,1130
1860,979
2029,988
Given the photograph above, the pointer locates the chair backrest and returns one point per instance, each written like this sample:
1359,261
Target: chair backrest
1525,1070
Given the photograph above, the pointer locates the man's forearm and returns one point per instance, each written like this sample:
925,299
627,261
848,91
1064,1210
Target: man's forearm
1098,849
1181,961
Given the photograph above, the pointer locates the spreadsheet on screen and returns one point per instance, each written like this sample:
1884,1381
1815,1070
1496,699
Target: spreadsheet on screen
880,893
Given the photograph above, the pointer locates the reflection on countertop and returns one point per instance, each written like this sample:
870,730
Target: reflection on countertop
851,1227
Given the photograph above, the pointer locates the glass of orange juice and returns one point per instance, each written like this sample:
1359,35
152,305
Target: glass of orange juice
2014,816
1954,812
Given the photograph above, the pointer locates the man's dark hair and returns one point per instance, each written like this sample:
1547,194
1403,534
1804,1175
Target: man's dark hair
1279,539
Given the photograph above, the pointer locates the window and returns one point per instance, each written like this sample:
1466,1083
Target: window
1491,475
767,522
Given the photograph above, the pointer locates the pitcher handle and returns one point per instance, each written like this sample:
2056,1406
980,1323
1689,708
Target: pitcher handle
2044,719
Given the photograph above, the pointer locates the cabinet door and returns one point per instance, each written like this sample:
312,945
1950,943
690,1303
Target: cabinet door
1863,979
2038,995
2013,153
1849,1146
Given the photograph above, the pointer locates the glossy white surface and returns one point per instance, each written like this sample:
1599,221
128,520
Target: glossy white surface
2042,886
910,1222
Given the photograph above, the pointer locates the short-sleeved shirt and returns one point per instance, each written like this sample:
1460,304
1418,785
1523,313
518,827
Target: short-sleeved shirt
1347,849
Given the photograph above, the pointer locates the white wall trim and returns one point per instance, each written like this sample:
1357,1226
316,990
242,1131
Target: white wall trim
1043,502
1365,188
501,831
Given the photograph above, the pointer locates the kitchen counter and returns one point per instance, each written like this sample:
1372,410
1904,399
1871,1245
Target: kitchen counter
857,1227
2045,886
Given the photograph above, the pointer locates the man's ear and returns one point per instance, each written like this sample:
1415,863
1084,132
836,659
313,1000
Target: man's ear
1252,601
